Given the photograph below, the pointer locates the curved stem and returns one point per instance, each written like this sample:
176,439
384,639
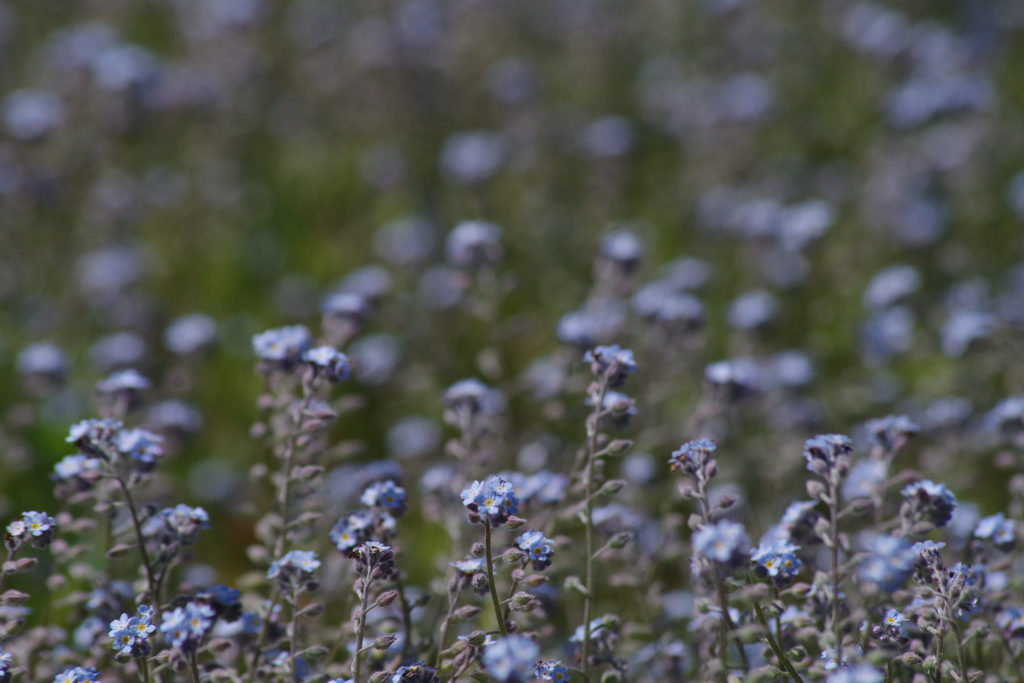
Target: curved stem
150,577
490,578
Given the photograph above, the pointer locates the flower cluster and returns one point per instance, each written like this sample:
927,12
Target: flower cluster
295,564
186,626
36,527
131,634
611,363
539,549
827,453
928,502
283,345
386,495
494,500
888,562
512,659
724,541
777,560
374,559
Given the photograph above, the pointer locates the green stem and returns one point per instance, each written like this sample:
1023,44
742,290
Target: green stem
144,665
490,578
960,655
360,623
776,648
150,577
834,517
406,619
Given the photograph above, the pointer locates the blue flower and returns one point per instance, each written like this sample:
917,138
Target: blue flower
494,499
539,548
930,501
141,444
467,394
511,659
385,494
182,523
222,595
861,673
294,561
721,541
823,451
93,436
474,243
78,675
996,527
471,565
75,466
611,363
352,530
777,559
889,433
552,671
888,563
693,456
124,380
123,634
186,626
376,558
864,478
1010,619
415,673
332,363
38,523
283,344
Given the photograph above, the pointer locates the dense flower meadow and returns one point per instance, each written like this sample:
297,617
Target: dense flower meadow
437,341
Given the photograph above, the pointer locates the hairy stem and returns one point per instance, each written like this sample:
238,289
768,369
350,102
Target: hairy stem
193,663
490,578
151,582
593,423
776,648
833,507
360,623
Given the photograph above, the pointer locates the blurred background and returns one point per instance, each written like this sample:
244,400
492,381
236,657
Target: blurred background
830,195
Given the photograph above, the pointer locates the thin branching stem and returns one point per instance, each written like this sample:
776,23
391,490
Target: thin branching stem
593,424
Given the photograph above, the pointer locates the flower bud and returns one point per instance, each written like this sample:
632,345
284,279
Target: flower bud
13,597
513,555
467,612
534,580
911,658
477,638
480,582
478,549
118,550
619,446
386,598
620,539
384,642
726,502
514,522
815,489
612,487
